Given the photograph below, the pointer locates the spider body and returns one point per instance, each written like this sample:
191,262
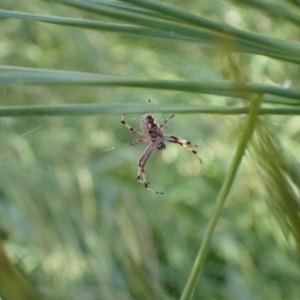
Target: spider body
149,126
152,133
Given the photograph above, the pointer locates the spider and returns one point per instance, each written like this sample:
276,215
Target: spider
152,133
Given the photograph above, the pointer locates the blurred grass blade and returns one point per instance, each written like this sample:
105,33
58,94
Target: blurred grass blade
228,182
96,25
295,2
275,10
217,39
203,38
12,285
281,180
172,11
17,75
280,100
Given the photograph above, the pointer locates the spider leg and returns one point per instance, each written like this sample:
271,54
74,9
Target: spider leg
175,138
184,146
141,175
140,141
141,134
166,121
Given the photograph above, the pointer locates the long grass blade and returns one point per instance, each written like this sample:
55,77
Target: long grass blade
196,20
119,108
103,26
16,75
228,182
12,285
231,43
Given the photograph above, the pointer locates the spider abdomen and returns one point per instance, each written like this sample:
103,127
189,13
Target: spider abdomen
148,123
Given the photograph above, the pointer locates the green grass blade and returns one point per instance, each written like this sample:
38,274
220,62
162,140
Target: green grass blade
119,108
280,100
295,2
241,147
127,7
203,38
17,75
96,25
12,285
190,32
171,11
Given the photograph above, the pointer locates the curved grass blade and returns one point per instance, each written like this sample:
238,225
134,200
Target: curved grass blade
216,39
204,38
172,11
228,182
104,26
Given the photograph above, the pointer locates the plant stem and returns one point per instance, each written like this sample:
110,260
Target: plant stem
245,137
12,285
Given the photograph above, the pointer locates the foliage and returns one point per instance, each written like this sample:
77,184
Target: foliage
74,222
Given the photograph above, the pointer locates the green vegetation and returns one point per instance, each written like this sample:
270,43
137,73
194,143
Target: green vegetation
75,223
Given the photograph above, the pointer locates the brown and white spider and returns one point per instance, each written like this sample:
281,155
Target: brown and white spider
152,133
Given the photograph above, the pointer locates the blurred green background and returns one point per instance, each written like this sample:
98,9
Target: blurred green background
79,225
